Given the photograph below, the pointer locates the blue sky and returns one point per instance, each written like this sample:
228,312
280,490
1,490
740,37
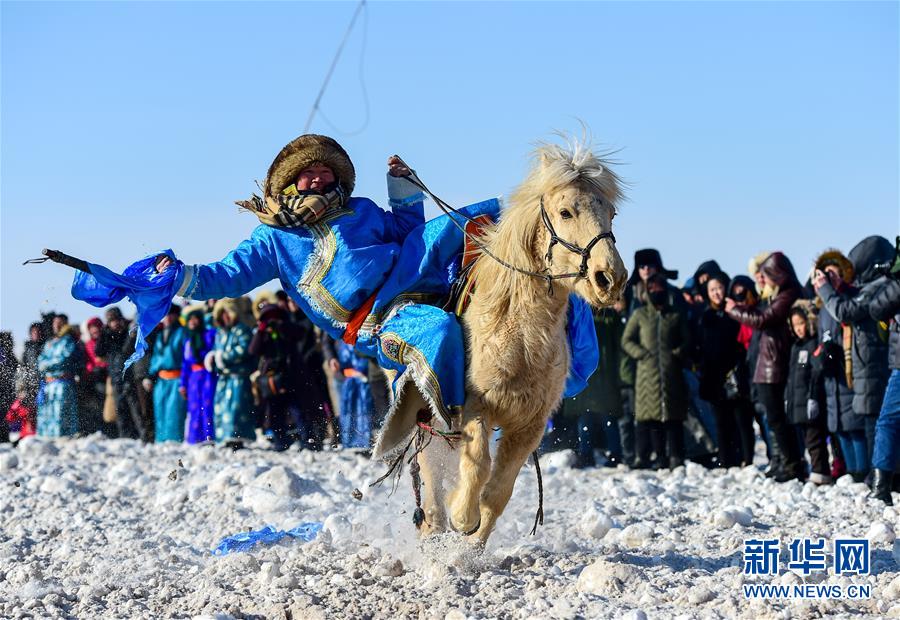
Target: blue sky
126,128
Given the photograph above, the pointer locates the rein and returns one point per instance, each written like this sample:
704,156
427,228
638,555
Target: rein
584,252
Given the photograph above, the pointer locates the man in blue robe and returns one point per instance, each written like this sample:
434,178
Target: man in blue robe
361,274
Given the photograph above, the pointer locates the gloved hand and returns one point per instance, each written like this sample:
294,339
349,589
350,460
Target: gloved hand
812,409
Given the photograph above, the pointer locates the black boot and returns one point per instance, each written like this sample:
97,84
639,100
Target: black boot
791,471
858,476
881,486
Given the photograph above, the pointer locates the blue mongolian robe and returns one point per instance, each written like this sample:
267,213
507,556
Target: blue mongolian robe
57,409
235,416
357,403
388,266
168,405
200,386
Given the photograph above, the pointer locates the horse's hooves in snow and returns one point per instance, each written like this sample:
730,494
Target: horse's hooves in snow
468,532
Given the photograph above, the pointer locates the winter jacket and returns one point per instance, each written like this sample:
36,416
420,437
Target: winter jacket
851,307
772,321
804,392
718,352
659,340
828,363
884,307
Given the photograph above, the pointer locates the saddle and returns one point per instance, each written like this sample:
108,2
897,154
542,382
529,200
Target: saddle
461,290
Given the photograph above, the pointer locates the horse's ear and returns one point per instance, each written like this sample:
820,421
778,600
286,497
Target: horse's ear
544,159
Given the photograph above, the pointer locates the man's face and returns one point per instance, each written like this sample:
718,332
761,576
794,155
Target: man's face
115,324
314,178
646,271
58,324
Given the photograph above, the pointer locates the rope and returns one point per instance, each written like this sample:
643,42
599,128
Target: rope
337,55
585,252
539,516
449,436
362,84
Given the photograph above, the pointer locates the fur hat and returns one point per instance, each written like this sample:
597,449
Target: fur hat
264,298
240,308
754,263
303,152
835,257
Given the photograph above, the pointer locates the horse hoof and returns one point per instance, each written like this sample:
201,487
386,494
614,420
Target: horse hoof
465,533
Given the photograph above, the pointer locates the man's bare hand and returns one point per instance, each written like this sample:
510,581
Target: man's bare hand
396,168
819,279
163,262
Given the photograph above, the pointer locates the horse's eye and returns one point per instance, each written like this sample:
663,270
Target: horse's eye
566,214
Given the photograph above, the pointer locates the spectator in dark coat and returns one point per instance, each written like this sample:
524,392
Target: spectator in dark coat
720,361
885,307
770,374
862,337
114,348
804,394
657,338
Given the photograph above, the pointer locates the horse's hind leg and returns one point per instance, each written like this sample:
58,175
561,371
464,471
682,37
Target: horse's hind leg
474,470
433,462
512,453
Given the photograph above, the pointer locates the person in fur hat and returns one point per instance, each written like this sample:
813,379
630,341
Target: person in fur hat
234,411
372,278
804,394
57,410
865,347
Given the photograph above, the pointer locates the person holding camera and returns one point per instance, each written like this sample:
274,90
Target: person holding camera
866,366
885,308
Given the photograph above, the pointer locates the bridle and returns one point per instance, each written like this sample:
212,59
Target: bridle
584,252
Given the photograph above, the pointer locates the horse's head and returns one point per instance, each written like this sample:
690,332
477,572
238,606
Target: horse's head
578,194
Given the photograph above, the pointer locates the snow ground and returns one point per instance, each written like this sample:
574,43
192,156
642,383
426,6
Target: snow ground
96,528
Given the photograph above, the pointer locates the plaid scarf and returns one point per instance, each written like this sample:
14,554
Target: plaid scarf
294,210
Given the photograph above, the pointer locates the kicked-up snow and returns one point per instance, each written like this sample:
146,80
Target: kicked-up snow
96,528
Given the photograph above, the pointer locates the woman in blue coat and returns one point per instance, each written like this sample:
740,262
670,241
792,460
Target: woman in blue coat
57,408
169,408
234,412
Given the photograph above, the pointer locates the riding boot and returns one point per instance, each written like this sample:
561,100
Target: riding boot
881,486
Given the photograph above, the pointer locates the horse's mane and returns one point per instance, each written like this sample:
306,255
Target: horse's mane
554,166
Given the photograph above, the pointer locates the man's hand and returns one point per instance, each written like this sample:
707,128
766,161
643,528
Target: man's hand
163,262
819,279
729,304
396,168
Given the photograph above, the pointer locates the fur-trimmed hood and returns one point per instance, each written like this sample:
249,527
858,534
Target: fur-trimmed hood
811,314
835,257
240,308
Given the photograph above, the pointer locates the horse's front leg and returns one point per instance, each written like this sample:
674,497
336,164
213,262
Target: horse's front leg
433,462
474,470
514,449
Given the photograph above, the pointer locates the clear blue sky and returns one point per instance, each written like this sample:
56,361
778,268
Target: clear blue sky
131,127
